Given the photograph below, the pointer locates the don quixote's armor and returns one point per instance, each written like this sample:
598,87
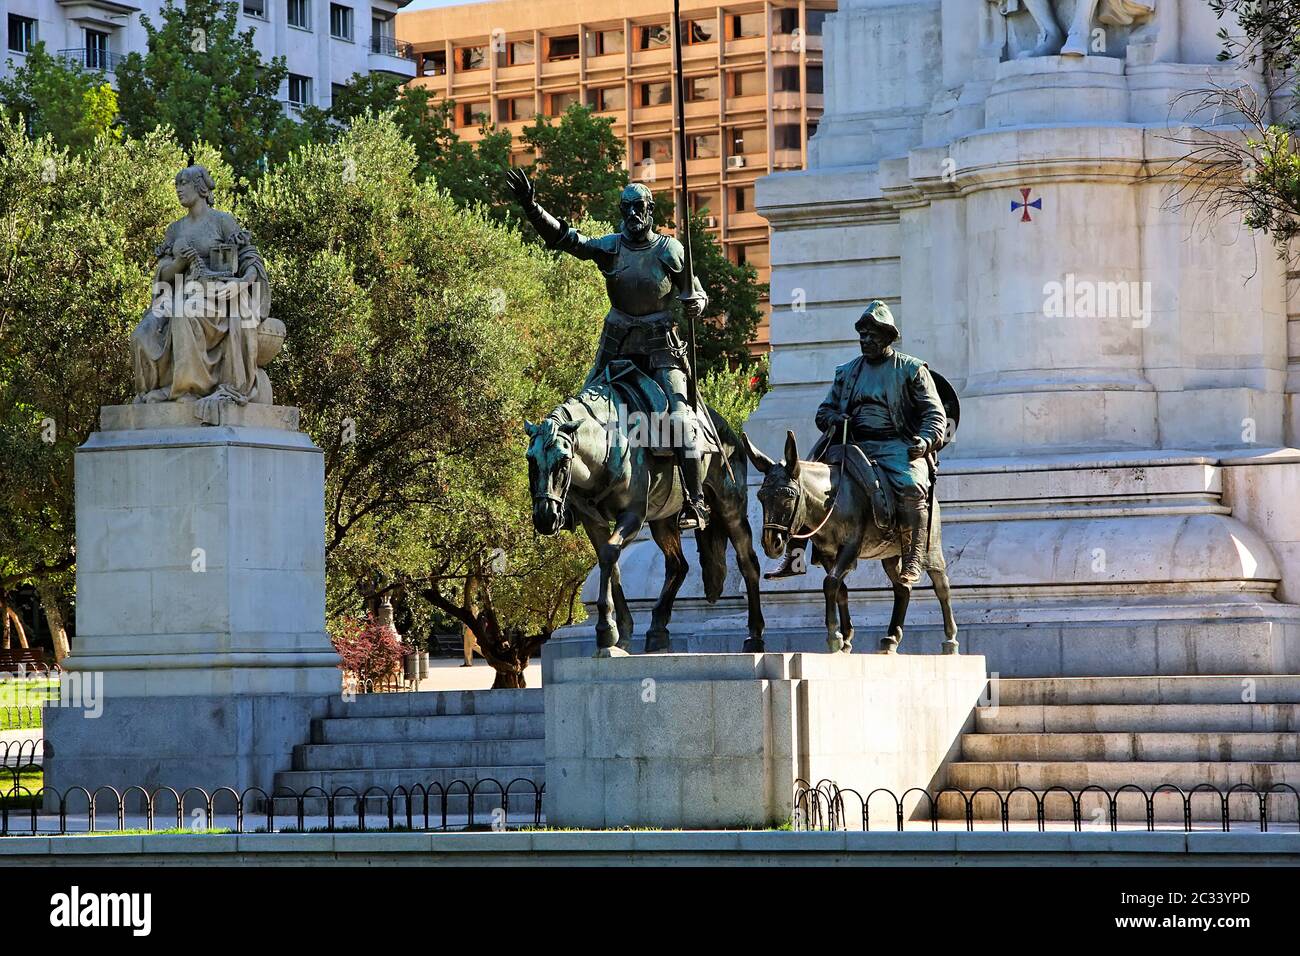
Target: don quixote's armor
644,272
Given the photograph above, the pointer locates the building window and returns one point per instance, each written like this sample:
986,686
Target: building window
742,199
704,203
655,37
786,136
699,31
22,33
558,103
656,94
748,84
337,90
608,98
340,21
433,63
517,53
785,79
602,42
299,90
96,50
746,25
700,88
787,20
815,20
472,114
748,141
704,146
562,48
255,8
519,108
814,79
299,14
656,150
471,58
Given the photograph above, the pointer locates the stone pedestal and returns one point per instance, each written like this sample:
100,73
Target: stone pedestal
200,601
719,740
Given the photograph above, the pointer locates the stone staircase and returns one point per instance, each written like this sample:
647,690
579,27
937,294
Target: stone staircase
404,739
1075,732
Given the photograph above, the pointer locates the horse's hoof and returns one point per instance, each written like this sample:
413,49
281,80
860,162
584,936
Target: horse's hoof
888,645
614,651
834,645
847,648
949,646
657,642
753,645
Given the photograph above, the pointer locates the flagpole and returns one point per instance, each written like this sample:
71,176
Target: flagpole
683,196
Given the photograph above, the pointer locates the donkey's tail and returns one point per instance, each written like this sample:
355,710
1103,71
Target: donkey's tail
729,493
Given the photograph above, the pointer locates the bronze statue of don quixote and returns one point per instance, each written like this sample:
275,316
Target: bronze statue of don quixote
636,446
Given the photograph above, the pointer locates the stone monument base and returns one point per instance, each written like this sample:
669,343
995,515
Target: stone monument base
706,741
201,653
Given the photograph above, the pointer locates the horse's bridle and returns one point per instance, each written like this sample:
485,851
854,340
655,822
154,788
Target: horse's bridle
561,496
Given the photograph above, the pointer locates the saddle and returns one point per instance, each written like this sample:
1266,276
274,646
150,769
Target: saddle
645,409
852,462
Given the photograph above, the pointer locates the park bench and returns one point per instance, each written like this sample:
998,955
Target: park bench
30,659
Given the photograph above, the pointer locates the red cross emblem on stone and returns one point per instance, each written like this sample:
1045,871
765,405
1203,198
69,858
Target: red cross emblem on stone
1026,205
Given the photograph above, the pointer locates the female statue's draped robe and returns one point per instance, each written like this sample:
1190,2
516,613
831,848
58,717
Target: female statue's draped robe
191,346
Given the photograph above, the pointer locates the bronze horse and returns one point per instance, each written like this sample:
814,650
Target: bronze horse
804,500
582,464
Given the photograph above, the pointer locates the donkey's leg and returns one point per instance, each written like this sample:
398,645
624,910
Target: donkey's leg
668,536
943,592
846,559
846,623
902,597
742,543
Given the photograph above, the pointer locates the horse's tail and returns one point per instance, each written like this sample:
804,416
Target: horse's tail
730,493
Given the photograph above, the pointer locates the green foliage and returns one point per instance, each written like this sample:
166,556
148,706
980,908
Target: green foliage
76,231
59,99
722,337
578,166
206,80
734,393
413,327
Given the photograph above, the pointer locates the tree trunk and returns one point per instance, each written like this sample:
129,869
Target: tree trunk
54,617
12,615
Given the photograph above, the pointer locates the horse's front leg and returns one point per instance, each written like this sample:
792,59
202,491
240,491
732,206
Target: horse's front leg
613,607
902,598
943,591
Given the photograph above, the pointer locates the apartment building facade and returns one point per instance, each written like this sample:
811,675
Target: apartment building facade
324,42
753,88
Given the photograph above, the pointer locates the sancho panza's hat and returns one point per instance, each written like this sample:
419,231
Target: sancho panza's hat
877,315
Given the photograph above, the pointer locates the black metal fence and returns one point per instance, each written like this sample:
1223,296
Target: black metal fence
827,806
488,805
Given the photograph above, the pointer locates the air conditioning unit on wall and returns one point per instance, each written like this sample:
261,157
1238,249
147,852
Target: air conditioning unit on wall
735,162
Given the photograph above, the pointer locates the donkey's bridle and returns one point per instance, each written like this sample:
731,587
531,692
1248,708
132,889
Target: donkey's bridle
798,510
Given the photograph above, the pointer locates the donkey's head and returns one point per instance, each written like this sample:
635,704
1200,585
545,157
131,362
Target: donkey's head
781,494
550,470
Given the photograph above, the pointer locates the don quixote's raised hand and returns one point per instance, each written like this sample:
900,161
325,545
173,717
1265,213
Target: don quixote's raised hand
521,186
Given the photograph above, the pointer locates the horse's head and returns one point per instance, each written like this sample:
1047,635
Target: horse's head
781,494
550,469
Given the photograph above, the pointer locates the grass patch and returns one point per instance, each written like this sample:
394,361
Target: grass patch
22,700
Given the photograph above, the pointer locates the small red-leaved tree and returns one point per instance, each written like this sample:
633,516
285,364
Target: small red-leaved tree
371,651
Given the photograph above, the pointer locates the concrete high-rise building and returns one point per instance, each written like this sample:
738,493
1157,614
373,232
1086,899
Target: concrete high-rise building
753,78
324,43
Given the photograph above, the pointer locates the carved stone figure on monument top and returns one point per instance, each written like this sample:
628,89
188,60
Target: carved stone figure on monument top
1053,39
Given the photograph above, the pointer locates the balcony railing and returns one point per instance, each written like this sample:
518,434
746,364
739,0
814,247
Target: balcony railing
92,58
391,46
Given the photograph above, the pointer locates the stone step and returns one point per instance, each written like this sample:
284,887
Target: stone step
1147,690
1130,747
359,730
526,700
419,753
1130,807
1167,718
1113,774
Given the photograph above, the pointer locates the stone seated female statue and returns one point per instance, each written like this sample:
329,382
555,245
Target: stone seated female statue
208,334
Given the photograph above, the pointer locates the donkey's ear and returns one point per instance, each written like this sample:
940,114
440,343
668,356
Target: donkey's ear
570,428
530,428
791,455
761,461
